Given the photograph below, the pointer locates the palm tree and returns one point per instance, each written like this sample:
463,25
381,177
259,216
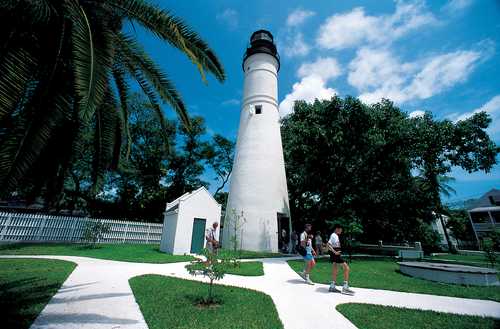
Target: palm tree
436,185
65,67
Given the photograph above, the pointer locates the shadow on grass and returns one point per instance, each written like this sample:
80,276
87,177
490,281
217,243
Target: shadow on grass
20,300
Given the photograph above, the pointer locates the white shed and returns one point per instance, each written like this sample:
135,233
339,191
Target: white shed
186,220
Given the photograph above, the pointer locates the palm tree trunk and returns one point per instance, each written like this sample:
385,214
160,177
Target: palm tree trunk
451,248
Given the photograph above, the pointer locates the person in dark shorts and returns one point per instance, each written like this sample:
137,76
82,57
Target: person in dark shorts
335,253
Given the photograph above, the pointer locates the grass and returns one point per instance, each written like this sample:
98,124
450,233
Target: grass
386,317
384,274
247,269
26,286
171,303
138,253
247,254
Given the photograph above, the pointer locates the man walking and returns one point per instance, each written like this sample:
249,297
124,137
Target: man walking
211,237
336,258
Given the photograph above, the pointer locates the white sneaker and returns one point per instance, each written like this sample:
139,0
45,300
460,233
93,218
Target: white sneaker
347,291
302,275
308,281
333,289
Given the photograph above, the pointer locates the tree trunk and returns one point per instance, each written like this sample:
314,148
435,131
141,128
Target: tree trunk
210,297
451,248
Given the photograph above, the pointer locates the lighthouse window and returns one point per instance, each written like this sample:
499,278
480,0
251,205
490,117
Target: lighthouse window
258,109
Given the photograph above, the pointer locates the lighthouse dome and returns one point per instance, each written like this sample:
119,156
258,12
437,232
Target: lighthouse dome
262,41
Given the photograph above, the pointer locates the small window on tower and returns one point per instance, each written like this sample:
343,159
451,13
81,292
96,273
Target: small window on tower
258,109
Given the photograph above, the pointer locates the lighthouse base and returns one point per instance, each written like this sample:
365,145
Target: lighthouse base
256,231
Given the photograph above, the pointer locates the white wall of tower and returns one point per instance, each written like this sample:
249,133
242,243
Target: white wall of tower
258,182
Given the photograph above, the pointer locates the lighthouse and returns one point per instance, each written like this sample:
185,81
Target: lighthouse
258,193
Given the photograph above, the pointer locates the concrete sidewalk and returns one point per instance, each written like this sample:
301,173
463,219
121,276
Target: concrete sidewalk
97,295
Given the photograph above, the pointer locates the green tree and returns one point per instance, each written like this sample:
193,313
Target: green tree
186,163
60,64
220,159
346,159
443,144
459,225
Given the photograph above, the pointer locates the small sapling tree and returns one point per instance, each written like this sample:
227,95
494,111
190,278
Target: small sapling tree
214,266
236,222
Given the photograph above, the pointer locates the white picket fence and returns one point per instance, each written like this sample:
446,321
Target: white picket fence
20,227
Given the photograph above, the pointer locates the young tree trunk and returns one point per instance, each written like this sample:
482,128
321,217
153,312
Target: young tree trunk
210,297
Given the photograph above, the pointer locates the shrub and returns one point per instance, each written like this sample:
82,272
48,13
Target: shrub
94,231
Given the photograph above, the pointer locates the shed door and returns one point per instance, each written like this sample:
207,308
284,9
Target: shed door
198,237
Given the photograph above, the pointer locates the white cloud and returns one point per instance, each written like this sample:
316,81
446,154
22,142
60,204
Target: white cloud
313,84
292,43
295,45
454,6
298,17
442,72
377,74
324,67
231,102
355,27
308,89
416,114
229,17
492,107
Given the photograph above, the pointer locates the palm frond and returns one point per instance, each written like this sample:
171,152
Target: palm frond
22,148
90,61
105,141
16,70
123,91
173,30
144,68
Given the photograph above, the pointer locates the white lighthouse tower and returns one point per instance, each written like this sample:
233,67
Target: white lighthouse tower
258,182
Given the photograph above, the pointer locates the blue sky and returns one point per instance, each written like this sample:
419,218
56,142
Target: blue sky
438,56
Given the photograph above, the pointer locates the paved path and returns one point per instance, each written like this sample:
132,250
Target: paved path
97,296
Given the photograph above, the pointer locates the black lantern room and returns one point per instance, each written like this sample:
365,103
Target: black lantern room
262,41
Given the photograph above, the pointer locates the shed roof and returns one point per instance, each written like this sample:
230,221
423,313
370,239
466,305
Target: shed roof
171,206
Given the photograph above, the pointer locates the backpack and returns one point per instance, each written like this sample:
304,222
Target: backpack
301,250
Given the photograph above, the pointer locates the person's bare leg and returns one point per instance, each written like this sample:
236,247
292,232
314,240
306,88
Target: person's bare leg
346,272
345,289
310,266
334,279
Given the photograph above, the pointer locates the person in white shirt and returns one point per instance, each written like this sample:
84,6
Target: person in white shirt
211,237
335,253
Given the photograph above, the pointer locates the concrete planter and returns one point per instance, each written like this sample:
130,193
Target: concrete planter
451,273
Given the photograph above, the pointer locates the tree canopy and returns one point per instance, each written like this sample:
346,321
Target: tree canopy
376,165
65,67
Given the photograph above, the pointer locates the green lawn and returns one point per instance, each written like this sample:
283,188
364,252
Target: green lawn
246,254
26,286
170,303
138,253
386,317
247,269
384,274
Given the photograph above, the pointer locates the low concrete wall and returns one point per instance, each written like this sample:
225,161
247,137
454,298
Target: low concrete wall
385,250
451,273
473,253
